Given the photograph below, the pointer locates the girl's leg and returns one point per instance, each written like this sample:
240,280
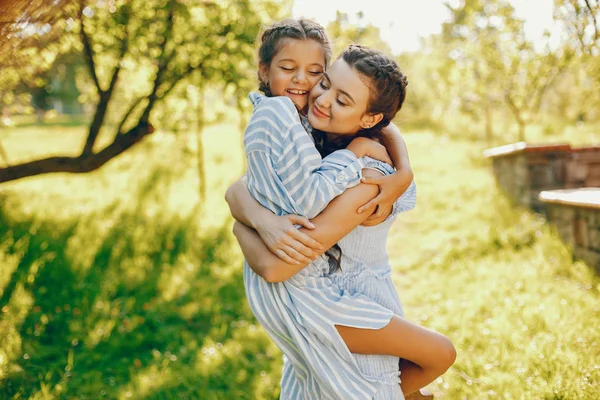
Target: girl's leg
430,353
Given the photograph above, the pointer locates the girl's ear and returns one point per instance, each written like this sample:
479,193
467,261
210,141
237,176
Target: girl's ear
263,71
370,120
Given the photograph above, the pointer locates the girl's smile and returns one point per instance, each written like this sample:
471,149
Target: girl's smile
295,69
298,96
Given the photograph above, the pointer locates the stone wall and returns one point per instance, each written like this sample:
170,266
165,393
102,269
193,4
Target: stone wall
559,181
576,215
523,170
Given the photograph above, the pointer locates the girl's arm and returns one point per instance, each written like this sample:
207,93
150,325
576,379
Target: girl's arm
396,147
284,166
335,222
391,187
277,232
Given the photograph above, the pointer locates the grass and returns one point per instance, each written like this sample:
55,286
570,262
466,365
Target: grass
121,284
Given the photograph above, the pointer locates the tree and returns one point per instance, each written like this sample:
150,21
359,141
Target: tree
165,40
32,38
528,78
581,22
345,30
499,65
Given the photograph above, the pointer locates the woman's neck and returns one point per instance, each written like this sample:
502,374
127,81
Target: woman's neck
332,137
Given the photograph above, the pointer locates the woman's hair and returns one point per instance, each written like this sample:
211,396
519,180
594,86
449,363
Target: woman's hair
387,84
387,88
273,38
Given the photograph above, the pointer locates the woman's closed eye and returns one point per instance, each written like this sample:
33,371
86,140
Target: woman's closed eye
325,87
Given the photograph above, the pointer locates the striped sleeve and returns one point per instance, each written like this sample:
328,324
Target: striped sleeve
301,176
406,202
265,186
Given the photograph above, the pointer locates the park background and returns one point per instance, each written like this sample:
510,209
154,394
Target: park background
119,275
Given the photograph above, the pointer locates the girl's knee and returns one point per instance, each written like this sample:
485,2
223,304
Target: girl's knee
447,353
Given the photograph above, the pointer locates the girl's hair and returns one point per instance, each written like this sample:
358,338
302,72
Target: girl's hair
387,87
273,38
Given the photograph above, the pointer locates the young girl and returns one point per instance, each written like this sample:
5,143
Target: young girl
314,316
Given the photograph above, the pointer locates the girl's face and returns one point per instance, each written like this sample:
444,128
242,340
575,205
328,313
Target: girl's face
295,69
338,104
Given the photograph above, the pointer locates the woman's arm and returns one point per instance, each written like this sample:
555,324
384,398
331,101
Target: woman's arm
335,222
278,233
391,187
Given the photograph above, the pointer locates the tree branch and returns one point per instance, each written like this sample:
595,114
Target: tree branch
122,51
162,67
182,76
104,100
511,104
87,47
82,164
115,76
127,114
589,7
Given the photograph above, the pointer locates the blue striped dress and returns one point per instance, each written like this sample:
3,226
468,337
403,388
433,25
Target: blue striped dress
287,175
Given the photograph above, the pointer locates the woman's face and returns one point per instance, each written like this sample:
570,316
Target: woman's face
338,103
295,69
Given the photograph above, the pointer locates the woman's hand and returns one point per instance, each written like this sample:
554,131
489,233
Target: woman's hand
391,187
362,146
285,241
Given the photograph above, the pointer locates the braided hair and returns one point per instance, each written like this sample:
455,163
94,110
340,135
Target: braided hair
387,91
273,37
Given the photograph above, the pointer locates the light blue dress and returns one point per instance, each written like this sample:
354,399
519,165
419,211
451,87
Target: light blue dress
287,175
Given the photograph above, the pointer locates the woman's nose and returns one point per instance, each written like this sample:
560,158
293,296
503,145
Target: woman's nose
324,99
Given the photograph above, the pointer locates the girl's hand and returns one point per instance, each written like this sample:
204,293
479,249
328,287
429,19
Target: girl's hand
286,242
362,146
391,187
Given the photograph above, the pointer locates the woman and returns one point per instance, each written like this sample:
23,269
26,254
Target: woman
317,317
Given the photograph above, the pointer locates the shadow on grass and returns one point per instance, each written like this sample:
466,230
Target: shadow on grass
124,304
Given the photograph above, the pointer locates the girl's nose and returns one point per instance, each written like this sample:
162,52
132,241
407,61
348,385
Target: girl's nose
299,77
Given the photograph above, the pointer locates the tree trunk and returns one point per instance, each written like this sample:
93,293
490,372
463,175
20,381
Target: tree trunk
518,114
521,130
3,154
96,122
200,147
489,126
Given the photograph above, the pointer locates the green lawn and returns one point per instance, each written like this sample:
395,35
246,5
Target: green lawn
121,284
